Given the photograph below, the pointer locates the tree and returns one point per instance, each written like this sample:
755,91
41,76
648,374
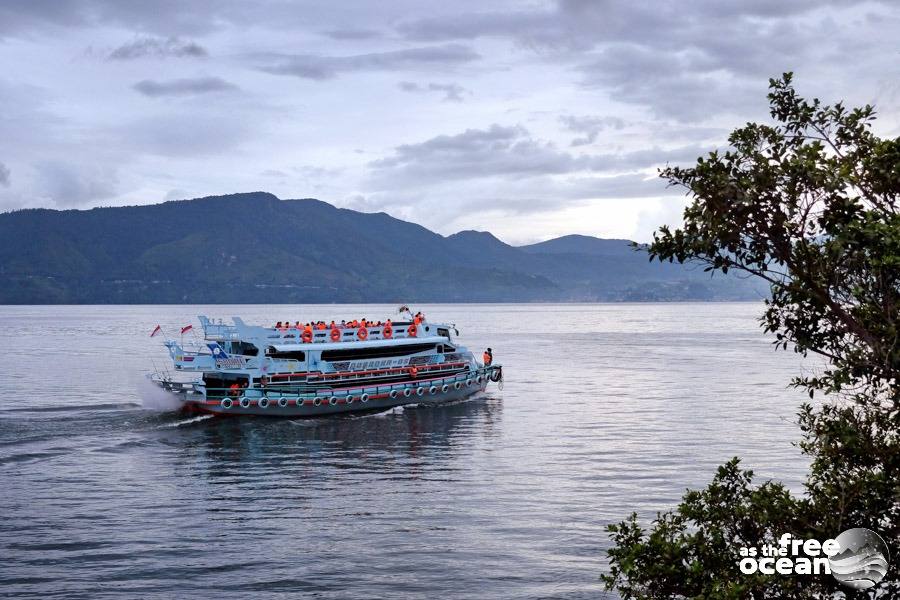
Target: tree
808,204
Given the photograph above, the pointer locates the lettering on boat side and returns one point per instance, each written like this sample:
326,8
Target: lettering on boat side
363,365
857,558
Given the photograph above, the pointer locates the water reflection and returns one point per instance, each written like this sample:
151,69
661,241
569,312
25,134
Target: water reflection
414,434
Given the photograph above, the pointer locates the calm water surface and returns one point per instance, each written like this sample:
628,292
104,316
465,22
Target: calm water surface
606,409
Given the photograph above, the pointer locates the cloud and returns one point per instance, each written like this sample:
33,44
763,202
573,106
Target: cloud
452,92
686,85
497,150
175,194
185,134
183,87
70,185
352,34
687,61
4,175
153,47
310,66
589,126
567,25
508,152
523,25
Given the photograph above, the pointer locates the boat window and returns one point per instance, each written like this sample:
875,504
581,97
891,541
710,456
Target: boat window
382,352
286,354
216,385
244,349
443,332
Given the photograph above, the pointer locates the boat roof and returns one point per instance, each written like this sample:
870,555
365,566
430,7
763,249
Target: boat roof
431,339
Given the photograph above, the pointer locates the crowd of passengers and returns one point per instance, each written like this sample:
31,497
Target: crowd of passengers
354,324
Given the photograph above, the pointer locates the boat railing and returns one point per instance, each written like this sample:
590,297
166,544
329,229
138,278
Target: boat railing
351,375
347,333
195,348
307,392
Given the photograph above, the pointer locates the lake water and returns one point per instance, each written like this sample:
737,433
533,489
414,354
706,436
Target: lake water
606,409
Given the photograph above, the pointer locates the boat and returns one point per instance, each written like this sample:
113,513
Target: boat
316,368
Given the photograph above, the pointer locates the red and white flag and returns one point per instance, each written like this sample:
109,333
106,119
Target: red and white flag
155,331
186,328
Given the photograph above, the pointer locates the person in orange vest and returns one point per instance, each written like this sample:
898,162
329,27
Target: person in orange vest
321,326
488,357
417,319
332,326
235,389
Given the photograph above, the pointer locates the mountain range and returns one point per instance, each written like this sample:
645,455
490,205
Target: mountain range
257,248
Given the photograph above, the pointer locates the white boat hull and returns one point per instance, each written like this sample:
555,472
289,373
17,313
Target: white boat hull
291,407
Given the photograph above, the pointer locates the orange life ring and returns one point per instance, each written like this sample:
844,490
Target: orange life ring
335,334
412,330
388,332
307,336
362,333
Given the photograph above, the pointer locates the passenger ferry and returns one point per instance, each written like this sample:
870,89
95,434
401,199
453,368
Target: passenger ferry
314,369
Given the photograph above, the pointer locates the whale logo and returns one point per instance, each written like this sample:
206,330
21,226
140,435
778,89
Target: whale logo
862,560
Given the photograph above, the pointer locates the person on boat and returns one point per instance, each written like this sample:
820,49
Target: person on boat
321,326
332,326
488,357
278,325
343,323
417,320
235,388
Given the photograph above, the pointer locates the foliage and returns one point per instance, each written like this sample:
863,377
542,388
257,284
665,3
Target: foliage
809,205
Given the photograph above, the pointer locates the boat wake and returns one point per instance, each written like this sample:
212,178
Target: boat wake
190,421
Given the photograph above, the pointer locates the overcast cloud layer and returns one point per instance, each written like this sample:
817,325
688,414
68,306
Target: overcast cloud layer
528,119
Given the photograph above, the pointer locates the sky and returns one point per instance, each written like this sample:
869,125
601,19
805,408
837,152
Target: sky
527,119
